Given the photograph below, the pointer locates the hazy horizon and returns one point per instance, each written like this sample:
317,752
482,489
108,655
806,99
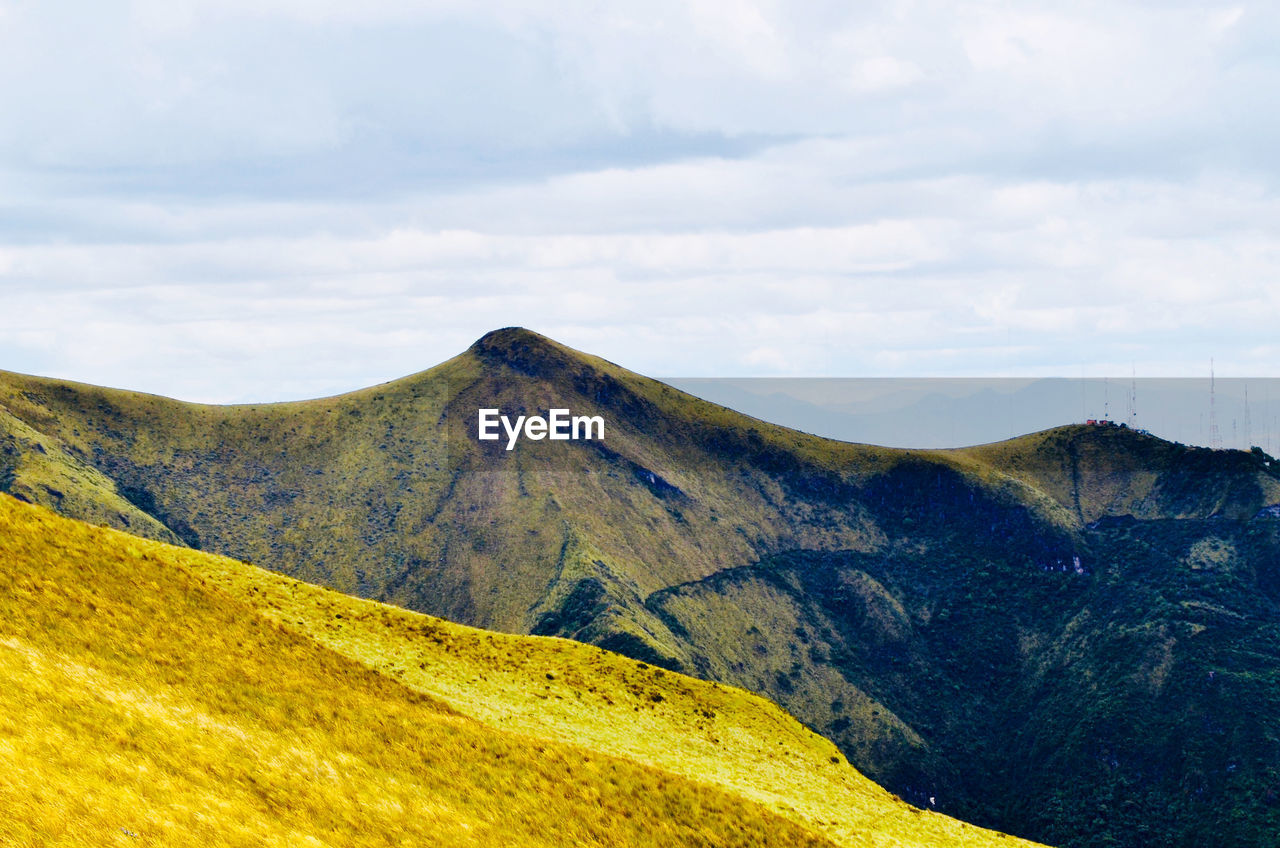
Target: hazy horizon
958,412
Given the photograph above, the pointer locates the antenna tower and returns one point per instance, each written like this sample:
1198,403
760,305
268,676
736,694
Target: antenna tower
1215,437
1248,425
1133,397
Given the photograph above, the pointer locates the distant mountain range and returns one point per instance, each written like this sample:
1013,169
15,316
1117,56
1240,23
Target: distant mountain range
955,412
1070,636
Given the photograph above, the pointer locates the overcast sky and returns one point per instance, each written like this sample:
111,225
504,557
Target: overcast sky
234,200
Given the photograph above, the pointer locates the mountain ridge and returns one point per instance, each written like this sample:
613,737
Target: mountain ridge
686,527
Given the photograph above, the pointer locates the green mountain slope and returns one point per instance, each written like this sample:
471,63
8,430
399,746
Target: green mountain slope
1111,471
899,602
160,696
1132,702
35,468
326,488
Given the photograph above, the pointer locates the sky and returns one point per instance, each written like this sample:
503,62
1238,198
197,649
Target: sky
232,201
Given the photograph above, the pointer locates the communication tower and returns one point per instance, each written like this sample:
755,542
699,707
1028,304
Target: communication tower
1215,437
1248,424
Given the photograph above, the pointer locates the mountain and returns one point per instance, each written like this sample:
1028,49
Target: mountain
984,630
930,413
941,412
156,695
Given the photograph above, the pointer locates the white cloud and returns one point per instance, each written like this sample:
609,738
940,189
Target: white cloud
228,200
882,74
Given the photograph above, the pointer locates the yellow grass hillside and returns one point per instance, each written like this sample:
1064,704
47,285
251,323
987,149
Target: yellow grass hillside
156,695
562,690
141,705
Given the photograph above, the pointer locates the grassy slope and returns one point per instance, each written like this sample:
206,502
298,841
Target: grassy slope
376,493
324,488
564,690
35,468
1098,471
1132,702
142,705
168,696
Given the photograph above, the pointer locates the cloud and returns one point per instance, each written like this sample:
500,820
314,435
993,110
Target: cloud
144,86
233,200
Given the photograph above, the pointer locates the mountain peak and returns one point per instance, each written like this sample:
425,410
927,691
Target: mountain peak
529,353
504,336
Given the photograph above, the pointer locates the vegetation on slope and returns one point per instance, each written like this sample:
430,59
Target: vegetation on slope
1112,471
382,493
897,601
1125,698
35,468
563,690
142,705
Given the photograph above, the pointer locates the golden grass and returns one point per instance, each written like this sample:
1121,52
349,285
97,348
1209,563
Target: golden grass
141,705
565,691
157,695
